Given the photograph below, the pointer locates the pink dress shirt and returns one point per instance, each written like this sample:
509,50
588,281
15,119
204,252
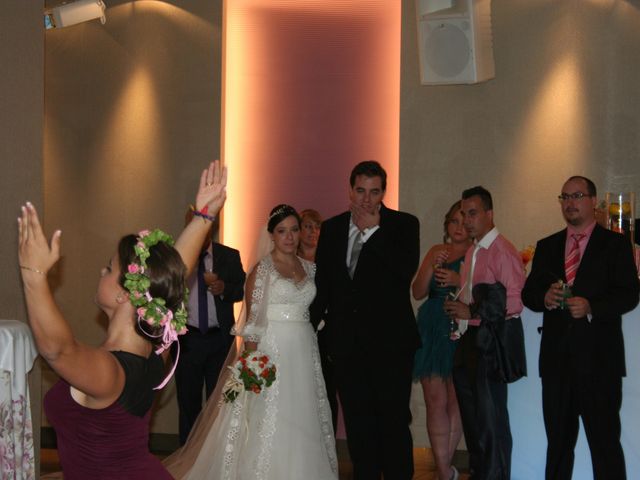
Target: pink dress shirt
497,260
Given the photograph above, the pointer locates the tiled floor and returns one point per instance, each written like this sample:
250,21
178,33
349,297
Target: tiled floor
424,466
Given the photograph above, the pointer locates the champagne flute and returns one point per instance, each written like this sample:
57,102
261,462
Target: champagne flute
453,296
441,259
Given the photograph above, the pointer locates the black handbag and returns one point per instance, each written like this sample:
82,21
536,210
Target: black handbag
499,340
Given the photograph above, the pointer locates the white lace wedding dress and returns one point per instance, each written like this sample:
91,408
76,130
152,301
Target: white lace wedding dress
284,433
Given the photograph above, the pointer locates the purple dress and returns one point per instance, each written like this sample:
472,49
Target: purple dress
112,442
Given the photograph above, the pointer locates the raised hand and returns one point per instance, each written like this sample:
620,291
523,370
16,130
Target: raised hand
553,296
441,256
457,310
447,277
212,191
363,218
579,307
35,254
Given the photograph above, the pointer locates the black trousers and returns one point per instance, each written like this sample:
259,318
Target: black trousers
597,400
201,359
483,409
328,372
375,393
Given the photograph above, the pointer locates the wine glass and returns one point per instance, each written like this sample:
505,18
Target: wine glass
453,296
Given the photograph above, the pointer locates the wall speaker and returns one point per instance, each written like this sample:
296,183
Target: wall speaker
455,43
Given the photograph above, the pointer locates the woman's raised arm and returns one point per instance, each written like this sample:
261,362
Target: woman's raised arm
212,193
91,370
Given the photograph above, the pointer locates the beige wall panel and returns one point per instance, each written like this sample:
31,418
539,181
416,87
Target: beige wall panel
21,124
21,100
132,115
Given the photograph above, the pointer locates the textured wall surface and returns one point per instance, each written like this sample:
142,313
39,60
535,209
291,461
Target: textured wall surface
564,101
132,115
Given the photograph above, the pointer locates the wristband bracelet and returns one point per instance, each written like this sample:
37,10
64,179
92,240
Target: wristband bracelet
203,213
24,267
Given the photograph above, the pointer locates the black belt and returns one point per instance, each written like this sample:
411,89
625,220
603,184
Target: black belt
211,330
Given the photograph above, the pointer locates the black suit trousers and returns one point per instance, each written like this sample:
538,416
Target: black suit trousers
329,378
201,359
595,398
483,409
374,393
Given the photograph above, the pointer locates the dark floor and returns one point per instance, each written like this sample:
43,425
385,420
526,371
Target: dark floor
424,466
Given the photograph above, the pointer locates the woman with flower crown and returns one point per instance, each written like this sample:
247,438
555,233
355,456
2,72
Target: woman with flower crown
284,432
101,406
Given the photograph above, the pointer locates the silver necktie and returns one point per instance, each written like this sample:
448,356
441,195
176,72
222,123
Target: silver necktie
355,253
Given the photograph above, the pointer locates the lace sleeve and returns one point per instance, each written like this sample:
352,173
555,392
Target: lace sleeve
310,270
252,324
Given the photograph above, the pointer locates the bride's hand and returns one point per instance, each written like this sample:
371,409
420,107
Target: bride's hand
35,255
250,346
212,191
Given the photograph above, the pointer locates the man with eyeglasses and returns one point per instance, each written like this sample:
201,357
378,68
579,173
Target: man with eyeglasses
583,278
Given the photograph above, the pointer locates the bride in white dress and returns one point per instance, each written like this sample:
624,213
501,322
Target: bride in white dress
285,432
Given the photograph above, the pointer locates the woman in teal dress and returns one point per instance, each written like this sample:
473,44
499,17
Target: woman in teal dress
438,277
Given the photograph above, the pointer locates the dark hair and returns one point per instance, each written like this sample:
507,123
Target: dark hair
369,168
165,269
279,213
591,187
312,215
483,193
449,215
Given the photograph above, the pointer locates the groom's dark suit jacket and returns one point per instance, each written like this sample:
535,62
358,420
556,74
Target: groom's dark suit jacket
608,279
372,312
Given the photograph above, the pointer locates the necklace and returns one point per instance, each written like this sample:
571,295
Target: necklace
287,267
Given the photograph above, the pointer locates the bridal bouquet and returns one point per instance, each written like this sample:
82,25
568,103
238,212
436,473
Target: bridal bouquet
252,372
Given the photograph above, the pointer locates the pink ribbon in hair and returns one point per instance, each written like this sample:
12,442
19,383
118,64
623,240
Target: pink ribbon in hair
169,335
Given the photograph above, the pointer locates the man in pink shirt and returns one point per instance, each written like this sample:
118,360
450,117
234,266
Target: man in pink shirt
582,358
482,399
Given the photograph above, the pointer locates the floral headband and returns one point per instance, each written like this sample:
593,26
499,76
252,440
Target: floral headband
153,310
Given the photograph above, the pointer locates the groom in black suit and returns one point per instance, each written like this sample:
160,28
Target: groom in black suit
366,259
582,350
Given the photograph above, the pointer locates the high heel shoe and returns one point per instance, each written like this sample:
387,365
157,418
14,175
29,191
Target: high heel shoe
455,475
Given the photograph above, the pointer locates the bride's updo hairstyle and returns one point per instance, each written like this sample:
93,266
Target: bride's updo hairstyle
279,213
165,270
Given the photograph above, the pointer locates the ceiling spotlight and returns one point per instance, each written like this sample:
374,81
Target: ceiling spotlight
73,13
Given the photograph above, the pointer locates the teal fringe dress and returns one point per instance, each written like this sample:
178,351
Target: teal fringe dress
435,357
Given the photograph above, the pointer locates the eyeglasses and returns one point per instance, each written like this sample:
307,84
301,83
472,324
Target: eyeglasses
573,196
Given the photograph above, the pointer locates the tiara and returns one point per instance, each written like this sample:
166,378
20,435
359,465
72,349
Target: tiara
281,210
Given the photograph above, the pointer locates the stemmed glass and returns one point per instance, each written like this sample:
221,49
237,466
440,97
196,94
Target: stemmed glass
441,260
453,296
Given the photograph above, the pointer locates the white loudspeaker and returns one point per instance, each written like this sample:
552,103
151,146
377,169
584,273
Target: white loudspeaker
75,12
455,42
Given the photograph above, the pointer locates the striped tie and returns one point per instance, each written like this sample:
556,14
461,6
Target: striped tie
572,261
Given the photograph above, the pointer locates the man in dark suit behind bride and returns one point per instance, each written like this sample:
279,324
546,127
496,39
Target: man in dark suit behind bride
366,259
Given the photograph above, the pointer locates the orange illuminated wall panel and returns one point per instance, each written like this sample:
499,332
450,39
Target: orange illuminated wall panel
310,88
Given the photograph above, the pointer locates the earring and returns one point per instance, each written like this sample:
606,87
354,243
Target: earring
119,298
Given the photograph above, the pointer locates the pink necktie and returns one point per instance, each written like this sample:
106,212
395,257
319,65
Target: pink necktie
572,261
